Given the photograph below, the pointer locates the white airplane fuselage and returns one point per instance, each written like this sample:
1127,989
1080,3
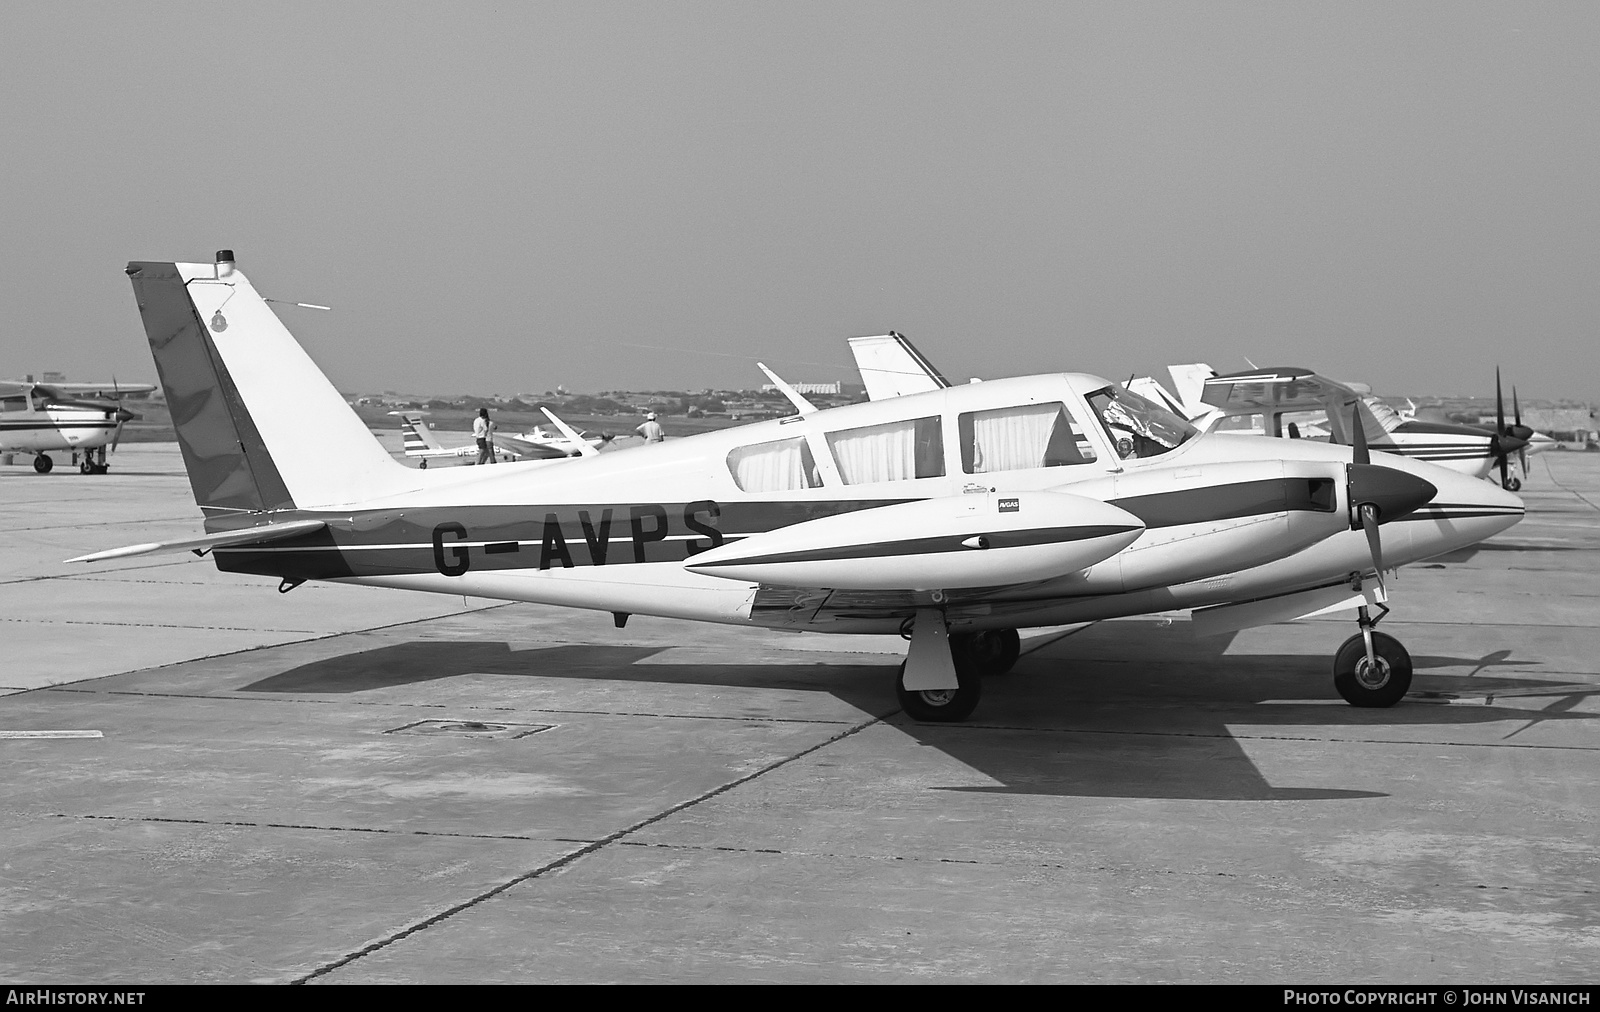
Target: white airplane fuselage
25,428
579,535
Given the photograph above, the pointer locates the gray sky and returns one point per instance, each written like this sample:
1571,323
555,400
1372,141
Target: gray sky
499,198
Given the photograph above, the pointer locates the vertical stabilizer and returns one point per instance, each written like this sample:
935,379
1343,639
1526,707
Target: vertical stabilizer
1189,383
891,366
260,426
417,434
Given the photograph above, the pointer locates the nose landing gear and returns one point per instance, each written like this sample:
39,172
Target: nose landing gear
1371,669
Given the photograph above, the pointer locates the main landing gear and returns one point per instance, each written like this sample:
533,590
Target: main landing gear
941,679
1371,668
43,464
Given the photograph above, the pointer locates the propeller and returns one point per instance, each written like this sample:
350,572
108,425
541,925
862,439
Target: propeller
122,416
1507,439
1379,494
1516,414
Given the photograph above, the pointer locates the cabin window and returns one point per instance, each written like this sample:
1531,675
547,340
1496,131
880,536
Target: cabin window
779,466
894,451
1026,436
1241,423
13,404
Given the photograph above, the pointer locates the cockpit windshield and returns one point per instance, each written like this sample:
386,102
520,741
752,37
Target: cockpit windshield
1137,427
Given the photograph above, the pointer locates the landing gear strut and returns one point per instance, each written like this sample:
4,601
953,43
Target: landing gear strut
939,681
89,465
1371,668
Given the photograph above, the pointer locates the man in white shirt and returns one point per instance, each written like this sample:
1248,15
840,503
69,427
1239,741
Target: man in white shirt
651,429
483,432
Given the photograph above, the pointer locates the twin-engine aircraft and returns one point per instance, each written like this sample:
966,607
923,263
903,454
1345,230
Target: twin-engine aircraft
65,417
954,516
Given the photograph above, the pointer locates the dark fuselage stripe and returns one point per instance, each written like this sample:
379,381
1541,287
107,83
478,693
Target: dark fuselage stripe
928,546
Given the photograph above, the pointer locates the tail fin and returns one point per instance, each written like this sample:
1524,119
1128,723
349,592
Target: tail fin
260,426
1150,390
1189,383
891,366
419,437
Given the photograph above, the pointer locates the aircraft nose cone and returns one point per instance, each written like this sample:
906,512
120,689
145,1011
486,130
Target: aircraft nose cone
1395,493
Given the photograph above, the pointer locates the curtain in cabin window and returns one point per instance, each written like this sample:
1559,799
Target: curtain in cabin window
1021,437
774,467
894,451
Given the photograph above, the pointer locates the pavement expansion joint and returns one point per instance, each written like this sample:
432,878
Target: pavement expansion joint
157,625
1319,739
590,848
265,698
246,824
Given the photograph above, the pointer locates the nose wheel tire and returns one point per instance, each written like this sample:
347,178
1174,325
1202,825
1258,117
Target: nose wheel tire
940,706
991,652
1363,684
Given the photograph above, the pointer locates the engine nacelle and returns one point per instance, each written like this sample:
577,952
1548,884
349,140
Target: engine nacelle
1204,520
978,540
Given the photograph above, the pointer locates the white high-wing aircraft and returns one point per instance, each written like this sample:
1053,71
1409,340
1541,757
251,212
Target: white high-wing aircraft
37,417
1298,403
538,444
954,516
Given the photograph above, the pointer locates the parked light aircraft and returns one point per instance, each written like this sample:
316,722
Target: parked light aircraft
1298,403
36,418
954,516
538,444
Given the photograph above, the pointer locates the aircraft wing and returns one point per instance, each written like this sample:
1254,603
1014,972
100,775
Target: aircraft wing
891,366
102,390
226,539
529,449
1281,389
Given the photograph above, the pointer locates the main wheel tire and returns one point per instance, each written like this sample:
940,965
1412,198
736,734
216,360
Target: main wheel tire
87,467
1362,685
991,652
940,706
43,464
424,465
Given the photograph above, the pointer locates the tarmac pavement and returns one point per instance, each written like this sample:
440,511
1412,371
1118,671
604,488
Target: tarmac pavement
349,784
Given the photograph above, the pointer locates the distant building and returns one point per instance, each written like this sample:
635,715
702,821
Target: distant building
820,389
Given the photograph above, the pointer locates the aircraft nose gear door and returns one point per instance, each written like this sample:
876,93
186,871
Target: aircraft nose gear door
936,684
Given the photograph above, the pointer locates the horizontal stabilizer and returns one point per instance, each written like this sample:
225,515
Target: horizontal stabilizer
226,539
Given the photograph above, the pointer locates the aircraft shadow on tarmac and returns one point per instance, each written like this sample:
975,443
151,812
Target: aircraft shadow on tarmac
1125,710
